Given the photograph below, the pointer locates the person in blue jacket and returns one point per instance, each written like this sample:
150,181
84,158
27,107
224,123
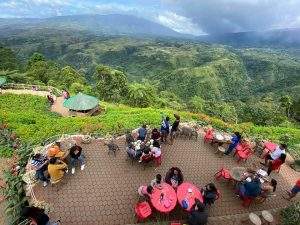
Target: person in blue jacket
165,129
234,142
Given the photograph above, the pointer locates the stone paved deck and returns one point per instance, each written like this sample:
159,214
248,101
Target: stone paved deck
106,191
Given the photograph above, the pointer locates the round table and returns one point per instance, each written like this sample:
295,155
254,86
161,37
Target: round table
270,146
169,200
237,173
183,193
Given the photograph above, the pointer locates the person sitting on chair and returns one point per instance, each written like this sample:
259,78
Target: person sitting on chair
76,155
146,156
198,214
234,142
276,164
56,170
155,134
39,164
275,154
209,193
250,189
157,181
56,152
174,177
267,188
145,191
156,151
36,216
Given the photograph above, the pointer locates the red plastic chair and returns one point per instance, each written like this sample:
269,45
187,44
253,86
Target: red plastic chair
244,155
157,161
209,136
142,211
247,201
223,173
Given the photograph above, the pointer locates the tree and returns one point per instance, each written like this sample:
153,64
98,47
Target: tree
196,104
141,95
36,57
43,72
286,102
8,59
110,84
68,76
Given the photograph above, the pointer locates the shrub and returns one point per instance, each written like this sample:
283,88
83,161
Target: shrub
291,215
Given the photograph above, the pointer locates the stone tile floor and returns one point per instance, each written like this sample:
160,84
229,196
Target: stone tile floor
106,191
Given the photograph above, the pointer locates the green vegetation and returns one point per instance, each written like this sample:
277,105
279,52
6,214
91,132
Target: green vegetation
28,116
291,214
236,85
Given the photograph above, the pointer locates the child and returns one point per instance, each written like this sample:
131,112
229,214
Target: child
145,156
156,152
145,191
157,181
209,193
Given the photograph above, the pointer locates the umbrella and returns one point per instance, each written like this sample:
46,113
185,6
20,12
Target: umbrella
81,102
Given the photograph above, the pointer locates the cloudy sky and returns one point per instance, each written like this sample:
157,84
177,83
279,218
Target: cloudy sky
185,16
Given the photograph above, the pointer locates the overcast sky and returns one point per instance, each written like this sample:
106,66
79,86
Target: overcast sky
185,16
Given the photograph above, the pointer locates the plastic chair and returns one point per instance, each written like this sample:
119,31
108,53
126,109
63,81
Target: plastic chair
243,155
209,136
157,161
146,160
142,211
223,173
247,201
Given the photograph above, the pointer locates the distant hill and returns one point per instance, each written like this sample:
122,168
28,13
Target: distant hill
271,38
113,24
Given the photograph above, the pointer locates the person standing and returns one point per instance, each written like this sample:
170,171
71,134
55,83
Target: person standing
175,127
142,133
165,129
76,155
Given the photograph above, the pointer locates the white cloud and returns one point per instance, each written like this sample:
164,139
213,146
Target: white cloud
179,23
113,8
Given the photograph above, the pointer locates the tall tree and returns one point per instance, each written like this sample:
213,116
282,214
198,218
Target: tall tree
110,84
8,59
36,57
286,102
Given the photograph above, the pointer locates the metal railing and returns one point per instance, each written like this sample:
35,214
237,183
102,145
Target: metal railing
37,87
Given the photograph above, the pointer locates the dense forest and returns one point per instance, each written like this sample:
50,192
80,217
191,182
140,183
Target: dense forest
237,85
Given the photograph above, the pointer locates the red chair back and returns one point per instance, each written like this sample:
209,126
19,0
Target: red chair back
146,159
223,173
142,210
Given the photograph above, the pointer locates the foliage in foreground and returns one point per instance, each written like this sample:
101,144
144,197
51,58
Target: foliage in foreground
291,215
30,119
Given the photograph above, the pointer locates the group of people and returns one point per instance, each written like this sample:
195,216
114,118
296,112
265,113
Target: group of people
174,177
52,166
51,97
251,186
147,145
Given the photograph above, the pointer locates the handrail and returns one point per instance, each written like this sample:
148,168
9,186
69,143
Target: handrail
17,86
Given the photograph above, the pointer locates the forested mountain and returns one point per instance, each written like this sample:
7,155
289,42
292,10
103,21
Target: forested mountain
215,79
112,24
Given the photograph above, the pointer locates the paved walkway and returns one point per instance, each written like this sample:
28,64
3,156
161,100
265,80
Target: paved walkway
56,107
106,191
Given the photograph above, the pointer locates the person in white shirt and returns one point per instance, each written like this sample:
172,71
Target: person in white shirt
276,153
155,150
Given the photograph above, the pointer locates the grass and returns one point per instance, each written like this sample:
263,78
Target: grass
29,117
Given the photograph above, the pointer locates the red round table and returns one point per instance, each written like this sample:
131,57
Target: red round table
270,146
183,193
169,200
